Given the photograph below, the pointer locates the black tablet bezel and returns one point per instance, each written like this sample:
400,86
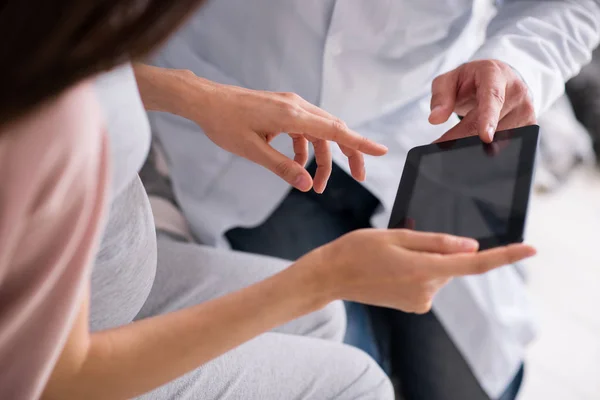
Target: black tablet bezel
522,190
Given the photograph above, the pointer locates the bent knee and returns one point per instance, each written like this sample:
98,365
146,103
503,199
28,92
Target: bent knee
368,380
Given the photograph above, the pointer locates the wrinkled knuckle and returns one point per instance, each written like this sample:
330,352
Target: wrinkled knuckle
342,123
289,95
471,126
520,89
338,126
187,73
494,66
290,110
497,94
489,65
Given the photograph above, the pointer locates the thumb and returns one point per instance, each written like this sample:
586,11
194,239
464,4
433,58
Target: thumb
443,97
287,169
465,128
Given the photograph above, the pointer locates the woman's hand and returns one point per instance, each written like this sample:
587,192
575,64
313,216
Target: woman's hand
392,268
401,269
244,122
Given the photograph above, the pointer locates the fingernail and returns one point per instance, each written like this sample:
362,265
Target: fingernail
436,108
468,244
383,147
302,183
531,251
490,131
321,190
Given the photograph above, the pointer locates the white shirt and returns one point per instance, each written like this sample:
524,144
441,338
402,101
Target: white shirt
371,62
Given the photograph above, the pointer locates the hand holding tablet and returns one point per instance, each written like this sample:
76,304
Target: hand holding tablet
468,188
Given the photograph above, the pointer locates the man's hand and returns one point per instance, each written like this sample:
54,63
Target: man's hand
244,122
490,96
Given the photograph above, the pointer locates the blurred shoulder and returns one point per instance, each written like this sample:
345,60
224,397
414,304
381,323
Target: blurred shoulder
53,147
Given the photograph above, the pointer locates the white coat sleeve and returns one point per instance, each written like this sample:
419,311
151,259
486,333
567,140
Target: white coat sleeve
545,41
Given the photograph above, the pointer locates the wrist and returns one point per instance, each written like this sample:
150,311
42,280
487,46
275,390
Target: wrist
314,273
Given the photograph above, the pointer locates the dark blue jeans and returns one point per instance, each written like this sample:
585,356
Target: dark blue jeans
421,356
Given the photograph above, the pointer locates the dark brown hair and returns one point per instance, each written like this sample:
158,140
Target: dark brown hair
49,45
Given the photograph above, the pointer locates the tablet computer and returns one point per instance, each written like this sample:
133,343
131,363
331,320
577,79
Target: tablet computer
468,188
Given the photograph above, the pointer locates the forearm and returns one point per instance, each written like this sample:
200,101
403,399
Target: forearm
131,360
169,90
547,42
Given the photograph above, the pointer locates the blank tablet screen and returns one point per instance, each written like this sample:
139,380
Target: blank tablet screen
466,192
468,188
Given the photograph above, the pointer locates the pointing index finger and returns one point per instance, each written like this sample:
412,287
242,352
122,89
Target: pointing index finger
491,94
484,261
335,130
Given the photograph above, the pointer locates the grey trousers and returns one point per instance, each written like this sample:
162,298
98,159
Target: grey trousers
303,359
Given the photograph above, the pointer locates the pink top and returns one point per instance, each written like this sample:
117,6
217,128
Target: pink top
53,179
